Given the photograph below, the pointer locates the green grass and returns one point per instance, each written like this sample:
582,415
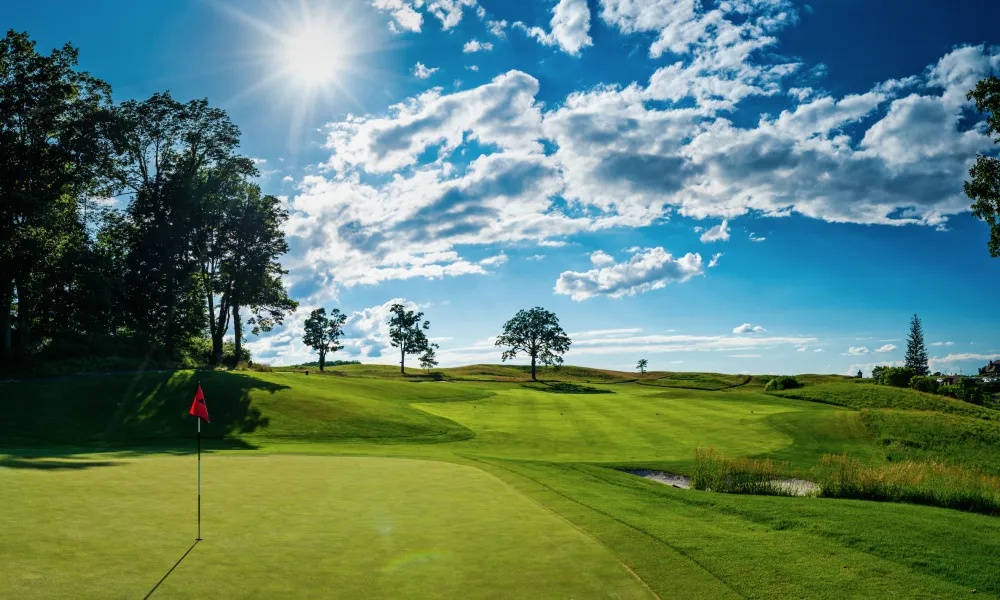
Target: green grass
308,527
511,471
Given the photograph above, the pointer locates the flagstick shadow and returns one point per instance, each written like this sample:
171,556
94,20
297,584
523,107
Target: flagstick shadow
171,570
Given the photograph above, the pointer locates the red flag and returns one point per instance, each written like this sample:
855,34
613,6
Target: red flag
198,407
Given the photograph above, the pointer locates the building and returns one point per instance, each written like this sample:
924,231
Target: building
991,369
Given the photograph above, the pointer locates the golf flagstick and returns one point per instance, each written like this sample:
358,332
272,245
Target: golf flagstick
199,410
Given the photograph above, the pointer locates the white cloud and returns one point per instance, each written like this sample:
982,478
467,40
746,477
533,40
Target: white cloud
570,27
943,344
802,348
421,71
471,67
600,258
650,270
748,328
288,179
935,362
886,348
819,350
603,332
719,233
405,15
866,368
858,350
744,356
715,259
497,28
494,261
755,238
476,46
536,257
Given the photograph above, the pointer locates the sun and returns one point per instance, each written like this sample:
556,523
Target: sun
312,55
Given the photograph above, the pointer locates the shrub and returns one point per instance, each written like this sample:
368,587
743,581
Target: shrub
782,383
966,389
894,376
933,483
924,384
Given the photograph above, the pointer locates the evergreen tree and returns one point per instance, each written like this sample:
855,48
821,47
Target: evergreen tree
428,360
916,352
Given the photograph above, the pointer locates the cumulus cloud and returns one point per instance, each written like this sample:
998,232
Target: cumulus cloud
946,361
421,71
406,14
643,272
715,259
536,257
476,46
943,344
497,28
819,350
858,350
886,348
570,27
748,328
471,67
755,238
494,261
600,258
719,233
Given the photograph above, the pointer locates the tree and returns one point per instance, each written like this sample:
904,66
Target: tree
916,352
53,150
407,333
428,360
984,187
535,332
860,374
641,367
322,333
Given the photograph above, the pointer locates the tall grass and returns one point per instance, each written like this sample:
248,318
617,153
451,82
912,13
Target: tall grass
933,483
719,473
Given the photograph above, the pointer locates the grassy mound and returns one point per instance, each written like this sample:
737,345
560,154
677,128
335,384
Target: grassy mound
858,395
698,381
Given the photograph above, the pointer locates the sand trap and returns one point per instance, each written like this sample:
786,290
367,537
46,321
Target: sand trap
792,486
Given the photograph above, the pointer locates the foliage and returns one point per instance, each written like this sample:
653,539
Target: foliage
428,360
407,333
927,384
863,395
933,483
331,363
893,376
535,332
717,472
782,383
966,389
983,188
916,351
322,333
641,367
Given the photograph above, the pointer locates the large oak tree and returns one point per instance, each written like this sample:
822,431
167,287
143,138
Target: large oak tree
535,332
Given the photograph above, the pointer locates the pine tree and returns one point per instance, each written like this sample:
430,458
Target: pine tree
916,352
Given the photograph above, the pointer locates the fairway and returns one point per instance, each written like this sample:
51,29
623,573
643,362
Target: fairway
333,527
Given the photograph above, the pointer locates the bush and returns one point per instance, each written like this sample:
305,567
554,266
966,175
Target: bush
966,389
782,383
924,384
894,376
933,483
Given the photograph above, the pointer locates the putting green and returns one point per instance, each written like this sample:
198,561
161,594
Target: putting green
285,526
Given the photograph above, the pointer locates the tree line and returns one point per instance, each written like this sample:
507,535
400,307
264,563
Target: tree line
130,229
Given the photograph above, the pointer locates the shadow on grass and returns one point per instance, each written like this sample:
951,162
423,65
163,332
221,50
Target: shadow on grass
54,465
563,387
142,413
176,564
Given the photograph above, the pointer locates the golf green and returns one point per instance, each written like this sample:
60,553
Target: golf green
285,526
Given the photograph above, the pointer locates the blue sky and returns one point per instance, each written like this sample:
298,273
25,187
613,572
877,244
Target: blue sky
737,186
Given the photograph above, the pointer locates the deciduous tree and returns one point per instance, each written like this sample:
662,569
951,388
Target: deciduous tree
428,360
406,332
641,367
535,332
984,186
323,334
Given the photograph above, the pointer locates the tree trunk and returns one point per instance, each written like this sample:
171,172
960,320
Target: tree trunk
6,300
216,349
238,331
23,315
533,368
322,360
402,359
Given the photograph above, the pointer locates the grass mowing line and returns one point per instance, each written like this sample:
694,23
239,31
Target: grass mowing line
617,520
557,515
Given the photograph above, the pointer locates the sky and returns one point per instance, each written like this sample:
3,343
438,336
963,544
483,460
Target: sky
760,186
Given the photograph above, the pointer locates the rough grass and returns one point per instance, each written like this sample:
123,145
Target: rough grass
716,472
697,381
921,435
933,483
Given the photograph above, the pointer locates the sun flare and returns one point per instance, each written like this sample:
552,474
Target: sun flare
311,56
